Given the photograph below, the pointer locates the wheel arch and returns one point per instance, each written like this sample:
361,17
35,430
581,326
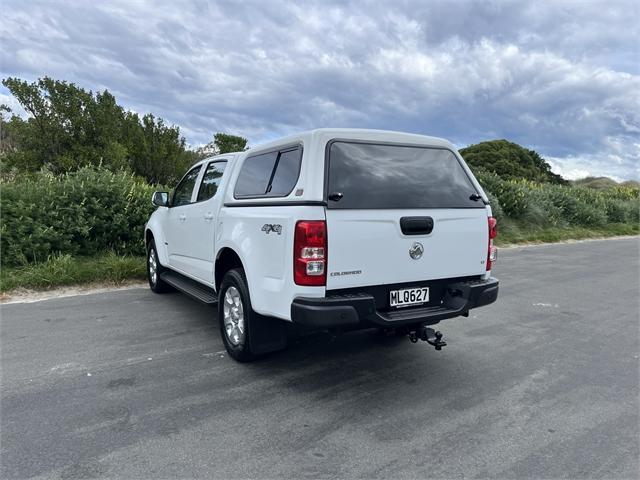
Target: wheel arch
155,234
226,259
148,236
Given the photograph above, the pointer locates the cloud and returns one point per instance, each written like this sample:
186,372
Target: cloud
12,103
559,77
619,161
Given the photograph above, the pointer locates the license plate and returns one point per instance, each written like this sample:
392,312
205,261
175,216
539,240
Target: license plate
409,296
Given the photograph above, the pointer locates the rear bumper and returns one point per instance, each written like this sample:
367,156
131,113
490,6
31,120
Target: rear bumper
359,309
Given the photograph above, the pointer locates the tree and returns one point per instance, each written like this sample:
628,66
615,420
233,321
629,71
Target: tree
509,161
157,150
7,142
69,127
226,143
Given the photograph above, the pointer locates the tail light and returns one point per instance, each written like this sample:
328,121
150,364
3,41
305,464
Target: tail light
310,253
492,254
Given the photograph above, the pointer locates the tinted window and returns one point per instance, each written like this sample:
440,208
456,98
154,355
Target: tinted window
182,193
255,175
211,180
287,171
392,176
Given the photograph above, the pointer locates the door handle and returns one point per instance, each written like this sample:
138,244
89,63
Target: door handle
182,218
208,216
416,225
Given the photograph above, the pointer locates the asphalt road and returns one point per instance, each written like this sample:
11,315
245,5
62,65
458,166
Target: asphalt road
129,384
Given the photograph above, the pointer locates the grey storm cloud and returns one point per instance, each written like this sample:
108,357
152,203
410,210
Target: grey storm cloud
559,77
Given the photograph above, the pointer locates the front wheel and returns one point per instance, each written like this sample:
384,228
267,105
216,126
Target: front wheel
235,315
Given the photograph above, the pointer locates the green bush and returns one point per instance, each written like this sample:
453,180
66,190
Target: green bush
633,209
94,210
621,205
496,208
541,210
489,180
544,205
513,199
590,216
80,213
510,161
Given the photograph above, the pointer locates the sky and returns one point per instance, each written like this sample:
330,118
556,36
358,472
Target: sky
559,77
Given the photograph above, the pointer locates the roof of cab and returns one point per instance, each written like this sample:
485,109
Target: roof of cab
220,156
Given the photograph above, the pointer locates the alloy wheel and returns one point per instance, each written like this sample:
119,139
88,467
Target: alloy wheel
233,316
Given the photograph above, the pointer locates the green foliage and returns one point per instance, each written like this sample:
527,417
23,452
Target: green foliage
545,205
496,208
226,143
69,128
63,269
79,213
540,210
509,161
512,197
511,232
7,142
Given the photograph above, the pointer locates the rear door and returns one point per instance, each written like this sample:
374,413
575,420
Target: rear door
400,214
202,217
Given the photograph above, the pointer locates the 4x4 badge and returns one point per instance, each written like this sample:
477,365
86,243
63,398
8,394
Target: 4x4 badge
271,227
416,250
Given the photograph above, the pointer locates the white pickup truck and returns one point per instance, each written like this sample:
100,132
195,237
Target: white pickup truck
335,229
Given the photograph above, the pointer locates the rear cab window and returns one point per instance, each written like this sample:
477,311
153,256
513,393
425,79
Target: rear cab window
211,180
271,174
382,176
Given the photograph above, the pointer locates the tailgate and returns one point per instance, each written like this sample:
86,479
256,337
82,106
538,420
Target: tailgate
368,247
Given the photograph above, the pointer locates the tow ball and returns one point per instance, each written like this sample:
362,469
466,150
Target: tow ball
428,335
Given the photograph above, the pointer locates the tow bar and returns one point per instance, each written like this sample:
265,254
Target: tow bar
428,335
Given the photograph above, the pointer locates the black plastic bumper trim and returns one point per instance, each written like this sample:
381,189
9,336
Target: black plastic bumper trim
350,310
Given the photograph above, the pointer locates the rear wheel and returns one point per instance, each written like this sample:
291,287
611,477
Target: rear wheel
154,269
236,316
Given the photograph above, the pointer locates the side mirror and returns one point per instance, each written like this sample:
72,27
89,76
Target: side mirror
160,199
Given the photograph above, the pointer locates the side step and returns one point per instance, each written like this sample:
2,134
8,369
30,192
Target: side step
190,287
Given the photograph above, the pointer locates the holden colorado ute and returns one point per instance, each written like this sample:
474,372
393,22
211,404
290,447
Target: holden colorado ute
332,229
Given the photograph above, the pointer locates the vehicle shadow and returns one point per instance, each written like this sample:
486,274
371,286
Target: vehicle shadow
382,384
326,364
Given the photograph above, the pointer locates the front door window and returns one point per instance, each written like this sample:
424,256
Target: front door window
182,193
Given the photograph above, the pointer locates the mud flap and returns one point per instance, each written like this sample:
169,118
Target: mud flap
267,335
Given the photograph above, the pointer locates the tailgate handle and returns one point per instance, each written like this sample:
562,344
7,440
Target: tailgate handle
416,225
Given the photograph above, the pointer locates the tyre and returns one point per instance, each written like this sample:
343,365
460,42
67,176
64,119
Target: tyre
236,316
154,269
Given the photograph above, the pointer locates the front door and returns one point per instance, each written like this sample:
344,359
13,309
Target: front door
179,225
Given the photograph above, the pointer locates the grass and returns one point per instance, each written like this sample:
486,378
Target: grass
110,268
60,270
510,232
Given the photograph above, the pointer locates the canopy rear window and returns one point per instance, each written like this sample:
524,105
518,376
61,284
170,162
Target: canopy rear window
376,176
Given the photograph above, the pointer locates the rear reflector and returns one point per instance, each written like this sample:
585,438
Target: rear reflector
310,253
492,254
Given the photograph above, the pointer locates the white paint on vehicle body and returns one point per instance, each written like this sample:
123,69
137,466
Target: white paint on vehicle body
365,241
